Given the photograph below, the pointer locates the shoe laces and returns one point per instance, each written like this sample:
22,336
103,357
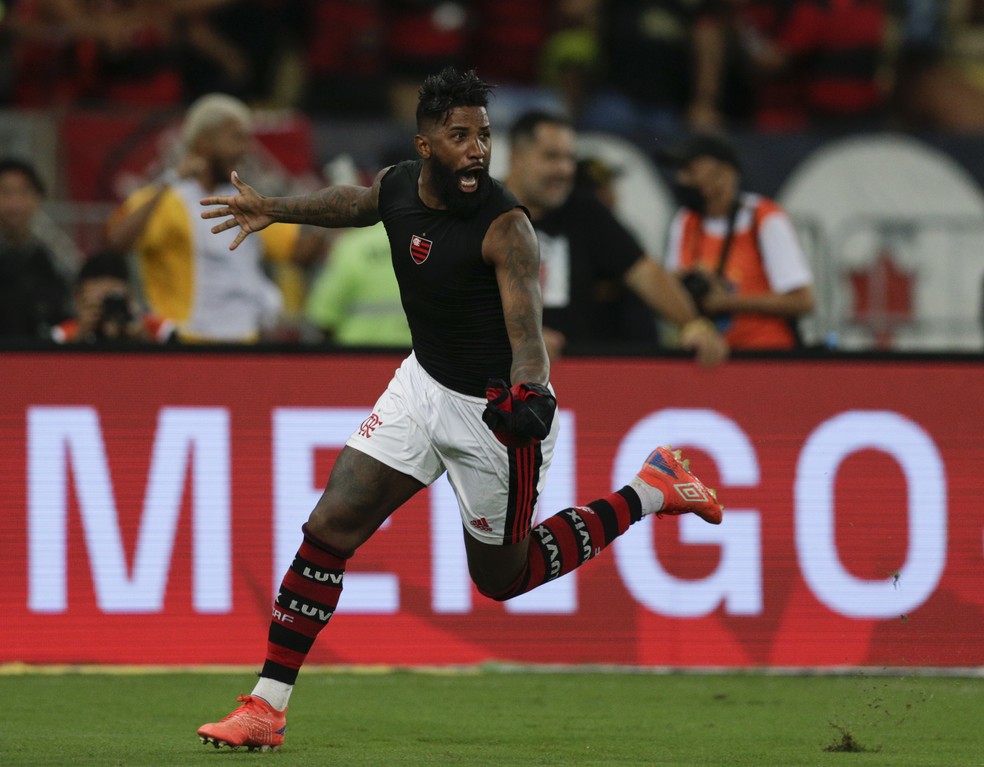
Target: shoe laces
247,703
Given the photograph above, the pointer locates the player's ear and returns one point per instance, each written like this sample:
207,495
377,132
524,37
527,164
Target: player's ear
422,145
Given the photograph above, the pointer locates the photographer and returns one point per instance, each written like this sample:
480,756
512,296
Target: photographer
600,289
736,252
106,309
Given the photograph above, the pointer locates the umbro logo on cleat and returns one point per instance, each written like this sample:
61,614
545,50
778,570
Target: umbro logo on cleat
481,524
691,492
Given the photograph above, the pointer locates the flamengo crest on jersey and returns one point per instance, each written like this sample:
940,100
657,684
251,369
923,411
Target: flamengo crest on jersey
419,249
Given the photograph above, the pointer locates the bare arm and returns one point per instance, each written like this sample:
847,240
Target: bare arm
511,247
709,47
333,206
794,303
663,293
124,229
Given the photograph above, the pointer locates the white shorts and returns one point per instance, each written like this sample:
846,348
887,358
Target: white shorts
423,429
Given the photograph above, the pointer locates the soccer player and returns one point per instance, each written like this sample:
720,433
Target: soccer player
467,262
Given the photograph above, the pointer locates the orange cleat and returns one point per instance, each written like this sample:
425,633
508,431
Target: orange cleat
255,724
683,493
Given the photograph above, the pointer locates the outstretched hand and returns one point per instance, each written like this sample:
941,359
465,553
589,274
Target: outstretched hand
245,210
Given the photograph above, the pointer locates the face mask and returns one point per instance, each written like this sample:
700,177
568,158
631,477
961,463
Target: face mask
689,197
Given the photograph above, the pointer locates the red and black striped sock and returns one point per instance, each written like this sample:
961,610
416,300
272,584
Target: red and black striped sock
571,537
304,605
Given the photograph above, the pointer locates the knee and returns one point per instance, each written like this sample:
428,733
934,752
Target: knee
335,531
500,595
498,589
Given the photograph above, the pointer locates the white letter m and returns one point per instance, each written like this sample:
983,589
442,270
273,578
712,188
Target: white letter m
59,436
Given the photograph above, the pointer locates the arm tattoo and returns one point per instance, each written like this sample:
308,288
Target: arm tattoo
334,206
523,310
522,318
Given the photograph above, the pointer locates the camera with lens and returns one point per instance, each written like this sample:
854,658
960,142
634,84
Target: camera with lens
698,284
114,317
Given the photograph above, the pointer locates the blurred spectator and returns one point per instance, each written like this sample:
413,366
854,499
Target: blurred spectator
571,60
422,36
355,300
188,274
736,252
106,309
940,67
7,68
344,62
366,57
34,293
236,46
142,52
599,286
94,51
816,63
665,63
506,38
594,176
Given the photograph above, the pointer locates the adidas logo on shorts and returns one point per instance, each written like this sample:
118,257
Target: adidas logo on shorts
481,524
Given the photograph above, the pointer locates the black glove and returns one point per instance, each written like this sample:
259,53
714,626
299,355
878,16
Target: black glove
520,415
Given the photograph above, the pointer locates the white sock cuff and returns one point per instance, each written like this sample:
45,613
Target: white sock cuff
273,692
650,497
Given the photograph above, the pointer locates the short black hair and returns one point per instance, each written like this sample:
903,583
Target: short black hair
448,89
15,165
526,124
104,263
700,144
593,173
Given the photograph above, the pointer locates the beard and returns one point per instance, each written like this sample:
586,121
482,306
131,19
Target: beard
458,203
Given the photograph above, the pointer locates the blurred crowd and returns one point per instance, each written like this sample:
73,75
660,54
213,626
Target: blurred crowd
632,65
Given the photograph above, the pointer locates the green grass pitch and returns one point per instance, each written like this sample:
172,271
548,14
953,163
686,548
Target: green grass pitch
505,718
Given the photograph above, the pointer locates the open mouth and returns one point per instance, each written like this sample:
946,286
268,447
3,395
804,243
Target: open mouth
468,179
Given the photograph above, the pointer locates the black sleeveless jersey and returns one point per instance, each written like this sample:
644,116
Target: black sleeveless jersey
450,295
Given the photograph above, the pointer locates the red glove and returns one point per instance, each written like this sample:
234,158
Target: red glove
520,415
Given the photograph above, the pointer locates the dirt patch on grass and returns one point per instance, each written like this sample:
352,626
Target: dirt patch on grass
846,742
